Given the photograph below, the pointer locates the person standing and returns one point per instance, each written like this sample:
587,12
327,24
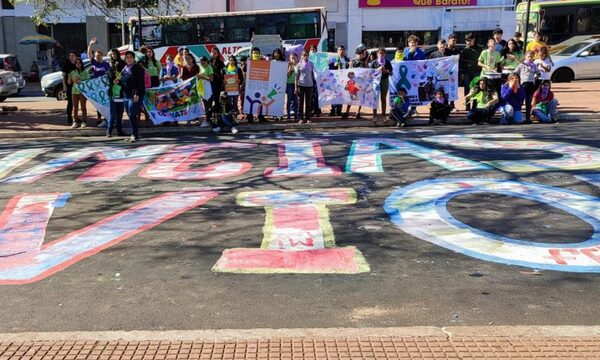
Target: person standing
452,49
489,61
98,68
170,73
205,79
132,83
341,61
384,66
68,87
528,73
75,77
441,50
292,98
536,45
359,61
234,73
467,64
315,93
115,93
544,65
413,52
499,43
152,66
304,87
218,82
517,38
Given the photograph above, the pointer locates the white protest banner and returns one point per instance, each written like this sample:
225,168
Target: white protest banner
96,91
421,78
358,86
177,102
265,87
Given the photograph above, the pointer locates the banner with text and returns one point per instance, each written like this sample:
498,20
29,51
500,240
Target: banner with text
177,102
96,91
265,87
349,86
374,4
422,78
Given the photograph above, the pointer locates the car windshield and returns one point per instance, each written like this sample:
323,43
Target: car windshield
572,49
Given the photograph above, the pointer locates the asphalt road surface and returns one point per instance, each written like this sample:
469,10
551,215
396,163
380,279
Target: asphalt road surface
162,278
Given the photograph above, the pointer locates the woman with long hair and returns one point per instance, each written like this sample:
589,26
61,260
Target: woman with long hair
512,56
75,77
544,104
152,66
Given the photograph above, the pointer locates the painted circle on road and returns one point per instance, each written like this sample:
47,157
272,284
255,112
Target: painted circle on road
420,209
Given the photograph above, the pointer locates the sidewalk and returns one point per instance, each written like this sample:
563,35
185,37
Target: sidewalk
47,118
503,342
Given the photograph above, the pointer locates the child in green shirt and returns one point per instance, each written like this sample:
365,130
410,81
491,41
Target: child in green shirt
75,77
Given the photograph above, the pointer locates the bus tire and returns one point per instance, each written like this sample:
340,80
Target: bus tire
563,75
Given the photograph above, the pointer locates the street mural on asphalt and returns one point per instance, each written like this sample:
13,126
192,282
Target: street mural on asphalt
298,236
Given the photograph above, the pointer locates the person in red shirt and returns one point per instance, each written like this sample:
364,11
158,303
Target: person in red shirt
544,104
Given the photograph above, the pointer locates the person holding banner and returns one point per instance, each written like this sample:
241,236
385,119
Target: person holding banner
292,98
341,61
132,83
304,87
385,67
170,73
75,77
315,94
115,93
359,61
255,55
413,52
233,79
205,79
67,85
98,68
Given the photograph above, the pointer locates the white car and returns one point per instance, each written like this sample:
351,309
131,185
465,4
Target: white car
10,62
576,62
8,84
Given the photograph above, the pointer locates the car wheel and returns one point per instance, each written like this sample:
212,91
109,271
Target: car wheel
2,98
61,95
563,75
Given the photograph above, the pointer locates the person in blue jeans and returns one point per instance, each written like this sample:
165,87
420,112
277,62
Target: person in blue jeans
544,103
512,96
115,93
132,83
290,90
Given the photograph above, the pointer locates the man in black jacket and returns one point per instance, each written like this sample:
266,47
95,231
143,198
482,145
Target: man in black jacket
132,83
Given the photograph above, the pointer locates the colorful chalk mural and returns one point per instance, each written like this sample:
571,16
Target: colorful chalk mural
299,158
420,209
298,237
23,258
573,157
177,164
365,155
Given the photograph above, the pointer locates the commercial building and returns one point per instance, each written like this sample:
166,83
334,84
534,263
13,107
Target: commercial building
373,22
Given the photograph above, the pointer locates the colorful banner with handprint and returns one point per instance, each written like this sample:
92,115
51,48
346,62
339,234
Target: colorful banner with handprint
421,78
177,102
96,91
265,87
349,86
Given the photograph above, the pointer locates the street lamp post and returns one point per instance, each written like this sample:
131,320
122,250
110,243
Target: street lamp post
122,22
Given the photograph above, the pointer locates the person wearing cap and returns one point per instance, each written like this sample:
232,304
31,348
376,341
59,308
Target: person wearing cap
500,43
467,64
451,48
412,51
359,61
341,61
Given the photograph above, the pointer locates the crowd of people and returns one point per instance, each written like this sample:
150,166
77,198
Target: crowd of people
502,78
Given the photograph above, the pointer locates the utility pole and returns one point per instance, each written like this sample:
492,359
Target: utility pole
138,4
122,22
527,13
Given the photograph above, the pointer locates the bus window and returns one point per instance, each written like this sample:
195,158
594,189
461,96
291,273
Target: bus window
271,24
239,28
210,30
556,26
583,21
180,34
303,26
595,20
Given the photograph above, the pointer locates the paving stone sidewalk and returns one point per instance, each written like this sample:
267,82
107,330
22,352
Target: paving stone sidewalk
368,347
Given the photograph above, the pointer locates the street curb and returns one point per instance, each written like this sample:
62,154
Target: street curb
247,334
196,130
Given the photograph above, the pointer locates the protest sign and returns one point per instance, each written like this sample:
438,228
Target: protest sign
96,91
358,86
177,102
265,87
422,78
232,83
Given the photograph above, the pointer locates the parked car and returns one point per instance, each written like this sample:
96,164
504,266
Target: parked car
52,83
578,61
8,84
10,62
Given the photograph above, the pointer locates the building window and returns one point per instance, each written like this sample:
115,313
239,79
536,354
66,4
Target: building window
7,5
